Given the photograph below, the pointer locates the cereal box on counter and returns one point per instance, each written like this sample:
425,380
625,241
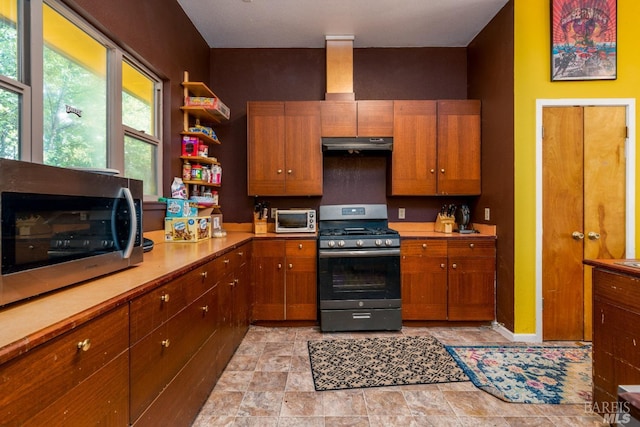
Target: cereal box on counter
181,208
187,229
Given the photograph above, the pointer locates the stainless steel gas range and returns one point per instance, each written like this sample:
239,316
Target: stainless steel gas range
358,269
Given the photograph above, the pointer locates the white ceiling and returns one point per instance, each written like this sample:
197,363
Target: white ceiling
373,23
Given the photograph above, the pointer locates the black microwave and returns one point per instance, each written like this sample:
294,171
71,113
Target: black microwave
63,226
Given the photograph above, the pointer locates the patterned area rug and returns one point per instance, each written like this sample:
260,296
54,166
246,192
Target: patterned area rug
378,362
524,374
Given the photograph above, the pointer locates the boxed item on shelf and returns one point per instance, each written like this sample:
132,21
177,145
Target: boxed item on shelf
190,145
177,208
187,229
208,103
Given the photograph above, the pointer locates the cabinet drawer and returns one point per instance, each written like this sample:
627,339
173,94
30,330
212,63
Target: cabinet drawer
35,380
430,248
302,248
618,289
154,308
471,248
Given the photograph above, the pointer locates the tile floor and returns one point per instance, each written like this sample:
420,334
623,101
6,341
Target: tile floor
268,382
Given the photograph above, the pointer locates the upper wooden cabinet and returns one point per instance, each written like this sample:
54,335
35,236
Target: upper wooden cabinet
284,152
356,118
436,148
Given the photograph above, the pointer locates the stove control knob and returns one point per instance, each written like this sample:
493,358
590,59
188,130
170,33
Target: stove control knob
331,243
359,243
388,242
378,242
341,243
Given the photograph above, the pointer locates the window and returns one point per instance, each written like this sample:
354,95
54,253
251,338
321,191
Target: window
93,104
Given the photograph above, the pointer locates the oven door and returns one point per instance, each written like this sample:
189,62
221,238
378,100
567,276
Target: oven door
358,275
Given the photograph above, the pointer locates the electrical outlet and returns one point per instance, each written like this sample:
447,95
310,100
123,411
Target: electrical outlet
273,212
487,214
401,213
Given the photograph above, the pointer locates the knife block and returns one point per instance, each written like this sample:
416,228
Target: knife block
444,224
259,224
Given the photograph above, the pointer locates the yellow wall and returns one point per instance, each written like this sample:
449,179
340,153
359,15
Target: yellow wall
532,81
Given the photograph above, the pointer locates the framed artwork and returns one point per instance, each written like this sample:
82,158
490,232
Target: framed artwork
583,39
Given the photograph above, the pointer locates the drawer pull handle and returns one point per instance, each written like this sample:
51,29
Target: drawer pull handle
205,308
164,298
204,274
240,253
472,245
84,345
424,246
442,170
300,246
226,261
166,343
279,171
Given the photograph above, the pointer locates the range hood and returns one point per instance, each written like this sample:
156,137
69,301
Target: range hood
357,144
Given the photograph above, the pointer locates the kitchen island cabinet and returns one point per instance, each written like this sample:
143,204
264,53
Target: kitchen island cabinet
616,330
284,275
436,148
284,152
448,279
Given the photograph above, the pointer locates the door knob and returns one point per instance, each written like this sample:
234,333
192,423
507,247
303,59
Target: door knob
577,235
593,235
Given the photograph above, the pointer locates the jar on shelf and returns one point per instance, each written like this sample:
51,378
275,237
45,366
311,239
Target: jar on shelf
196,173
186,171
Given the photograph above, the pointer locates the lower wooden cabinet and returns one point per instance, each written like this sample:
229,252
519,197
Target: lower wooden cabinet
448,279
284,279
78,378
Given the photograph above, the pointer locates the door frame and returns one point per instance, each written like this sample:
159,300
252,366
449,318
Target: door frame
630,208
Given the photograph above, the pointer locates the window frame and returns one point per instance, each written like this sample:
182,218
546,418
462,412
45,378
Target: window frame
29,88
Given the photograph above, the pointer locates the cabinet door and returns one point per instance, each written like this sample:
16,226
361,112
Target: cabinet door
424,279
459,147
375,118
268,276
303,149
471,279
338,118
413,164
301,280
241,293
265,148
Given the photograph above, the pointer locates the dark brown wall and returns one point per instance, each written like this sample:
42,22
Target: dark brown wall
490,58
241,75
161,36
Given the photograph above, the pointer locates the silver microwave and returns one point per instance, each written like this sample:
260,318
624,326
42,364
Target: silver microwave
295,221
62,226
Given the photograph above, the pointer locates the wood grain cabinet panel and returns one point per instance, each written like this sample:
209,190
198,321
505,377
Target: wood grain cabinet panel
448,279
356,118
284,273
40,380
616,334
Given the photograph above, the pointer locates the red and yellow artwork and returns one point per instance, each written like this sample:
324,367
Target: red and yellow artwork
583,38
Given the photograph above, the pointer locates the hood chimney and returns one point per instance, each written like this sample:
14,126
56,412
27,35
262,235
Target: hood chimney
339,68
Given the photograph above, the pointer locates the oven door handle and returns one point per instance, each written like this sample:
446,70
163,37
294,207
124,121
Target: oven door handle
359,253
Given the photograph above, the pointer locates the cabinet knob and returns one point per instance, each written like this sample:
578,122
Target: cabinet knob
442,266
166,343
205,309
593,235
300,246
226,261
204,274
279,266
240,254
424,246
289,171
279,171
577,235
84,345
290,266
236,281
432,170
454,266
232,284
442,170
164,298
472,245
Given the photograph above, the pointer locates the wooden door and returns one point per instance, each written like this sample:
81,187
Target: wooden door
424,279
303,149
265,148
459,147
583,183
413,167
